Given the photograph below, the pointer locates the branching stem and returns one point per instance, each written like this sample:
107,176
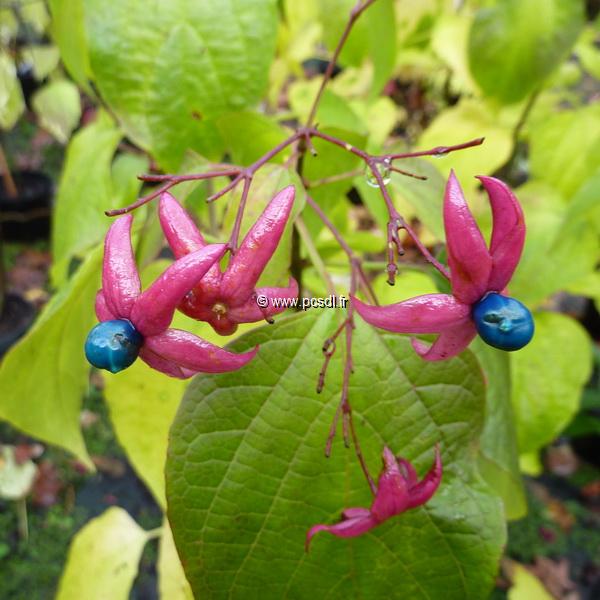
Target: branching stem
301,141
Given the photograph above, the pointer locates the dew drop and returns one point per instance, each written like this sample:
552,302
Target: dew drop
384,170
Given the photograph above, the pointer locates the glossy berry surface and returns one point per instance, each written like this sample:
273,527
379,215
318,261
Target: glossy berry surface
503,322
113,345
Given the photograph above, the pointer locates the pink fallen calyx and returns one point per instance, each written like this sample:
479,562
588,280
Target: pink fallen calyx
132,322
398,490
478,277
225,299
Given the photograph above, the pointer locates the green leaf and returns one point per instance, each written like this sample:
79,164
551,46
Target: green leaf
561,247
103,558
547,378
172,584
246,476
43,58
425,197
333,110
58,108
373,36
84,193
380,116
250,135
43,377
167,71
34,15
373,201
124,171
468,120
331,161
450,43
498,452
588,53
408,285
68,31
515,44
174,113
12,104
555,141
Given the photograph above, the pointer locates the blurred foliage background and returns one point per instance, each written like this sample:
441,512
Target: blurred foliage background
93,93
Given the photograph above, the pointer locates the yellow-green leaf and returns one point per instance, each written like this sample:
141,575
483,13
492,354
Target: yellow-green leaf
468,120
58,108
172,584
547,378
43,377
103,558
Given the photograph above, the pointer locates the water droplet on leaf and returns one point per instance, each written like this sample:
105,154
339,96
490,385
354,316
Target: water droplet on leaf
384,170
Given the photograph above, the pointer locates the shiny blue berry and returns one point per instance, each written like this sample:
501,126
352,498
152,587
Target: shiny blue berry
503,322
113,345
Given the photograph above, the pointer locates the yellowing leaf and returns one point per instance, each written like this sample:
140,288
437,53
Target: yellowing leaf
43,377
11,97
143,402
142,405
468,120
103,558
526,586
172,584
15,479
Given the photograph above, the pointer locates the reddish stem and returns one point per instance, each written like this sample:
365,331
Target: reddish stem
7,179
344,408
438,150
345,247
355,13
235,233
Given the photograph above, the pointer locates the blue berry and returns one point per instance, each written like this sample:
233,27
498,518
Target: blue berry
503,322
113,345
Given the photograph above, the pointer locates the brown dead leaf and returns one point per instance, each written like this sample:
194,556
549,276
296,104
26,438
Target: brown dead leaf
560,515
87,418
556,577
561,460
111,466
47,485
25,452
591,490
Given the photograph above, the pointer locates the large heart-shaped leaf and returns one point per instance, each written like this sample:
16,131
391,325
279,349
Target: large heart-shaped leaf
246,476
168,68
